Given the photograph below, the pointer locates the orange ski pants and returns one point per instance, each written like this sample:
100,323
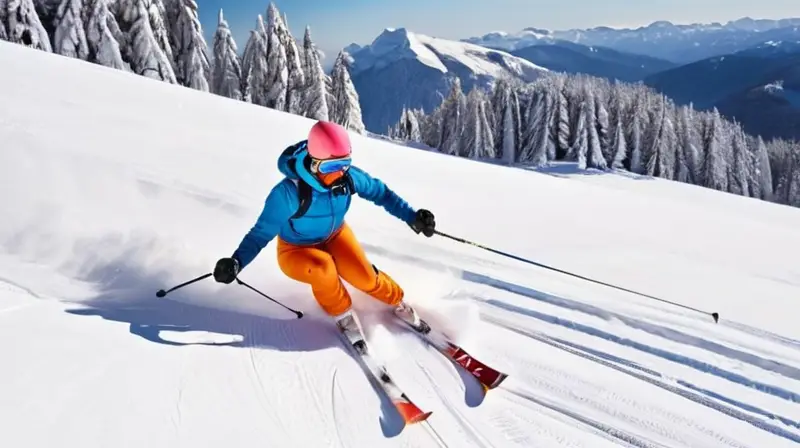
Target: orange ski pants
323,266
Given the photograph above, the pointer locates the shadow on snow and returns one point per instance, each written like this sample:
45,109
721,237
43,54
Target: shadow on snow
127,295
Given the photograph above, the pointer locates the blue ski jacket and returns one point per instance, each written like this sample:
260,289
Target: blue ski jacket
325,214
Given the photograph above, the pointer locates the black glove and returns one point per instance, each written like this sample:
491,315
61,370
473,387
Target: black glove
226,270
424,222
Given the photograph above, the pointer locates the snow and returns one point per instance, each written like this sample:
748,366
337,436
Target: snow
115,186
399,43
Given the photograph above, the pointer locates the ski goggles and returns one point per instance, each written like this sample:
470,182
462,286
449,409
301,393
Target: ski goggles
329,166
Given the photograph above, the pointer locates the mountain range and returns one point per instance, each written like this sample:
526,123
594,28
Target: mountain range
759,87
569,57
746,68
681,44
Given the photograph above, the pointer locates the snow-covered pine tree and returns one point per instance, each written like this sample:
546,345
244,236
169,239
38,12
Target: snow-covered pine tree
636,140
128,13
295,80
254,66
781,160
786,157
683,173
793,187
618,145
315,101
507,126
347,109
329,94
103,36
145,54
226,75
453,110
738,174
594,158
753,170
69,36
650,148
277,63
600,90
539,143
561,129
688,144
160,26
171,10
715,173
3,19
431,127
479,141
401,129
408,128
23,26
584,116
619,149
661,141
762,171
192,67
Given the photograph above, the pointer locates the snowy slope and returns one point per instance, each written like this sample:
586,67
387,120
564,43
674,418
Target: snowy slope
401,68
115,186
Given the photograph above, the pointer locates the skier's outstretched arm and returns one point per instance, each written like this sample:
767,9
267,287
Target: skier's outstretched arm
377,192
374,190
277,210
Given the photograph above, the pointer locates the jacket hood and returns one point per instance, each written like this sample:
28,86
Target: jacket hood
293,163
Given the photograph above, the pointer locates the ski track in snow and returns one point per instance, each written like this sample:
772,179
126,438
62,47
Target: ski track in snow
674,357
92,224
477,439
619,366
607,431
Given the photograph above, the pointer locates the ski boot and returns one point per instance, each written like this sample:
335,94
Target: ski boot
409,315
350,326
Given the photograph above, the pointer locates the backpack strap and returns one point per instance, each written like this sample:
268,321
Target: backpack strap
344,186
304,197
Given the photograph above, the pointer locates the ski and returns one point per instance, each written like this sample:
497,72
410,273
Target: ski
408,410
488,377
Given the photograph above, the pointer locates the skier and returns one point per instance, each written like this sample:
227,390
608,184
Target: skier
306,211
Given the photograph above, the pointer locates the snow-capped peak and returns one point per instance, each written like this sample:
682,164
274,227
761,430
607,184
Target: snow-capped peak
394,44
391,45
402,69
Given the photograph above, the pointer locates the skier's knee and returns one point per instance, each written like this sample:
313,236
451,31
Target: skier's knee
317,270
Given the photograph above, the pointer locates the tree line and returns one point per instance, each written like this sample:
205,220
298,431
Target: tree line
163,40
605,125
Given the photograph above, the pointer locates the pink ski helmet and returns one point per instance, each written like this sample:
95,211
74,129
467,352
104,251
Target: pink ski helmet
327,140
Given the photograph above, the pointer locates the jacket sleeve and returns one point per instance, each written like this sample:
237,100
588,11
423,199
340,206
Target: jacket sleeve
375,191
279,206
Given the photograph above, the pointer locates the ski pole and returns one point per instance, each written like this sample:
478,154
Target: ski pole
714,315
162,293
298,313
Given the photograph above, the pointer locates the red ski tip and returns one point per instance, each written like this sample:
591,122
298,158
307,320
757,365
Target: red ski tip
410,412
499,380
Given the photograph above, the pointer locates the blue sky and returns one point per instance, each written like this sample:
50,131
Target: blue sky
337,23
